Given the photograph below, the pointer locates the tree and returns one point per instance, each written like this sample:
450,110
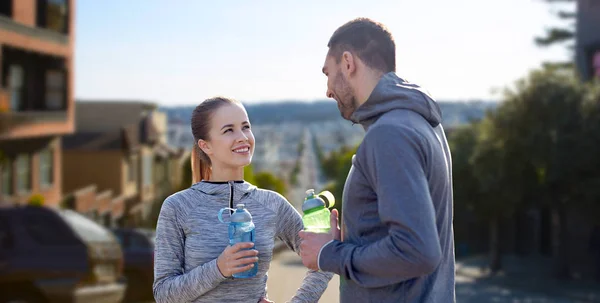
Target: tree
186,178
331,164
549,104
249,174
267,180
264,180
462,141
495,191
295,172
589,194
564,35
338,166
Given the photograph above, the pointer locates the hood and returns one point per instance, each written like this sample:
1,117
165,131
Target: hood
222,190
392,92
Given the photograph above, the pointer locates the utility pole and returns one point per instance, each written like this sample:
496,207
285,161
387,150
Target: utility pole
587,45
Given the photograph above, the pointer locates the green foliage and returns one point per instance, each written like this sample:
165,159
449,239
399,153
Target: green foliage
539,149
36,200
297,167
332,165
318,150
555,35
462,143
336,167
186,179
249,174
295,172
536,149
267,180
563,35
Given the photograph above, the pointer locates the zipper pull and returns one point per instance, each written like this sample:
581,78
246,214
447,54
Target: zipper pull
230,196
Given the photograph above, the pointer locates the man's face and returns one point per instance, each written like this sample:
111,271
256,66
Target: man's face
338,88
596,64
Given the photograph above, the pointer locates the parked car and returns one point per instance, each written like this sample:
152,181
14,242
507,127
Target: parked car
138,248
49,255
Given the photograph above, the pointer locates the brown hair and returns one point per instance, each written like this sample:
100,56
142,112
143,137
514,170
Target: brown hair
201,166
371,41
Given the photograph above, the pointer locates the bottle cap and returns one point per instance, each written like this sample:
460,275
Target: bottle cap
241,214
311,201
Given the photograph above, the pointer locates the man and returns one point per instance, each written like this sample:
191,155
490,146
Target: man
397,241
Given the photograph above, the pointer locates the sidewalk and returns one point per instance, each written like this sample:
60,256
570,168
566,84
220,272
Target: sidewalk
286,274
534,274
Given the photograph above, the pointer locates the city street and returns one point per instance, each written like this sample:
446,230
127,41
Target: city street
310,175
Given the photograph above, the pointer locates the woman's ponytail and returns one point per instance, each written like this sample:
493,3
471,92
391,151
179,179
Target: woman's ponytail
200,168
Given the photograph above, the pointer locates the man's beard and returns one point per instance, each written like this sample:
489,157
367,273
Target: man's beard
346,100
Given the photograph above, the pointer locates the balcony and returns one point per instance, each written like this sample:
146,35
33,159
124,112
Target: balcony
8,24
11,120
33,94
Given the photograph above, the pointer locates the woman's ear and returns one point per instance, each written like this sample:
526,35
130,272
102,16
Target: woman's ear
205,146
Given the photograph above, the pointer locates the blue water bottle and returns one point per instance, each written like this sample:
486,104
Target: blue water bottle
241,229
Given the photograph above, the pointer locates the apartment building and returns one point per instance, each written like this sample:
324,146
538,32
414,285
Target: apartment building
36,97
119,146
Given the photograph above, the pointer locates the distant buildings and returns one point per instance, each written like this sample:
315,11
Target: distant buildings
36,97
121,149
332,135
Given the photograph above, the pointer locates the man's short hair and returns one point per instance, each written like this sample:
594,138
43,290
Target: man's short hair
371,41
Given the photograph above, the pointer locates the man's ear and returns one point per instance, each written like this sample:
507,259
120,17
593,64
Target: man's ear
348,63
205,147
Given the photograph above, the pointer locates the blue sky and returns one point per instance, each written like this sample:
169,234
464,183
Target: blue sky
181,52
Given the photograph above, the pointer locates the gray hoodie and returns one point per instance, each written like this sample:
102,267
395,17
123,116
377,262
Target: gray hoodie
397,232
189,238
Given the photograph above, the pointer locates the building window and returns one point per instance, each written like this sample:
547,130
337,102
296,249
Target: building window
23,166
6,8
55,89
7,177
132,169
16,87
46,168
53,15
56,15
147,170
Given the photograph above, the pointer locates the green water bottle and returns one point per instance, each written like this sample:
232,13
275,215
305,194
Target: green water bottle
316,211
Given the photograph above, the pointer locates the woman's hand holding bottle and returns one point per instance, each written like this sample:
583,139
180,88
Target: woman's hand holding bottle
237,258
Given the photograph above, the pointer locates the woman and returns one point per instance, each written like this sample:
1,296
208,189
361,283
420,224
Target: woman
193,259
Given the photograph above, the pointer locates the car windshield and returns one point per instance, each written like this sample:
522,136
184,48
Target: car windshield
85,228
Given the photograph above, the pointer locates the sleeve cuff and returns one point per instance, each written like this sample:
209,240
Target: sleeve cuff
215,272
319,255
